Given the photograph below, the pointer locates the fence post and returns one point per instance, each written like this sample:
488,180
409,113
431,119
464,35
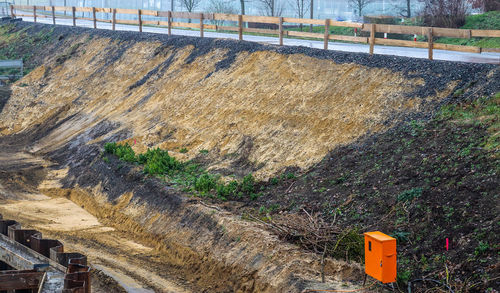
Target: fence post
73,10
240,27
169,20
281,31
327,33
53,15
114,19
201,25
430,43
139,14
34,13
372,38
12,11
94,18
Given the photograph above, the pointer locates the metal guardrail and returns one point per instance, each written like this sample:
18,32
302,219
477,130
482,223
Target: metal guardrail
5,64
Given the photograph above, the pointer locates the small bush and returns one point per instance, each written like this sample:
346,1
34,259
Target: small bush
231,189
248,184
205,183
409,195
159,162
183,150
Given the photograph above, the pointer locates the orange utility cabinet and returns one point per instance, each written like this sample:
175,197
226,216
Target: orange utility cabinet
380,256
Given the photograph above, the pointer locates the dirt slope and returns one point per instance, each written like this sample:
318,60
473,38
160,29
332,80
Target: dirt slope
255,108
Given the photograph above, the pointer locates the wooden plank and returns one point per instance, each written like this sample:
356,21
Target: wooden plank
240,27
84,9
150,12
62,8
399,29
485,33
492,50
261,19
186,15
126,11
349,38
126,21
113,26
458,48
201,25
327,34
225,16
185,24
139,19
53,16
228,28
346,24
450,32
169,22
261,31
104,20
105,10
34,14
401,43
373,29
430,41
281,31
94,19
303,20
12,11
151,22
73,9
305,34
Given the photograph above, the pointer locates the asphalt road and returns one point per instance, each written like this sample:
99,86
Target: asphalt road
492,58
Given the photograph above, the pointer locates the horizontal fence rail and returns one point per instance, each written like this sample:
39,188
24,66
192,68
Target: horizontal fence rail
277,25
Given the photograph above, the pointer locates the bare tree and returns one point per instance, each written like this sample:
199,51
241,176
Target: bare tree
445,13
301,7
404,7
359,5
271,7
190,5
221,6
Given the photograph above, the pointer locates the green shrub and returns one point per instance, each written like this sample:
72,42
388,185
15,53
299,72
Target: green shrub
248,184
231,189
159,162
205,183
124,151
183,150
409,195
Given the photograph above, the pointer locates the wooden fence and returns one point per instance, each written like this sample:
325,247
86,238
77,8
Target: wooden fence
278,22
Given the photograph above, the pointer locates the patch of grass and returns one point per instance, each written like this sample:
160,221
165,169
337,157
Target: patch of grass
204,152
183,150
188,175
487,21
409,195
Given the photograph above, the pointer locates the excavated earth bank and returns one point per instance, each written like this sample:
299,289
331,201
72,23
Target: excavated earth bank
255,108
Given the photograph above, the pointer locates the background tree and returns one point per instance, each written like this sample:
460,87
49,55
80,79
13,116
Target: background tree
404,7
221,6
301,8
359,5
445,13
271,7
190,5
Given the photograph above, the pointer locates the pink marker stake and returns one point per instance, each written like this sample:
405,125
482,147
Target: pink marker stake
134,141
447,244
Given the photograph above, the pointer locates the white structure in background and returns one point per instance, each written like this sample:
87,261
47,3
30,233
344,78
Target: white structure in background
333,9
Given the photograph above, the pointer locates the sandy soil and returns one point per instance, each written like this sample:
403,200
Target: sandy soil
108,250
